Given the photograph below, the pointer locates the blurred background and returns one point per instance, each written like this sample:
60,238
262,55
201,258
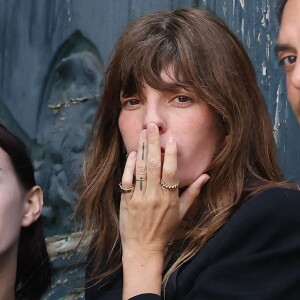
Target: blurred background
53,54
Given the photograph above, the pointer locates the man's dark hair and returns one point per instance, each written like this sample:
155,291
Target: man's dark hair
280,6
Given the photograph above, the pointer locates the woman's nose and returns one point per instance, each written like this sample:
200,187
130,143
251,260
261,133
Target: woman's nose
155,113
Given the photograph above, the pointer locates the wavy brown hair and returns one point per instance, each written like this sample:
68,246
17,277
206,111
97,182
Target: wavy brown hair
208,58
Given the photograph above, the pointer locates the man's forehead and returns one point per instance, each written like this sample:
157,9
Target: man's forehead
290,13
289,30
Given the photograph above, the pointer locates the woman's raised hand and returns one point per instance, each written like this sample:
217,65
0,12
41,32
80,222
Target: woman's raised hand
150,213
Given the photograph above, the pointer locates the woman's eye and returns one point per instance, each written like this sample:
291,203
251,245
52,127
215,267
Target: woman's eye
288,61
131,103
182,100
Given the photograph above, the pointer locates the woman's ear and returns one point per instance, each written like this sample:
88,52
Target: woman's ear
33,206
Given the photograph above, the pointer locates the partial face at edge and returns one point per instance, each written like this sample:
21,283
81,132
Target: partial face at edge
179,114
11,205
288,47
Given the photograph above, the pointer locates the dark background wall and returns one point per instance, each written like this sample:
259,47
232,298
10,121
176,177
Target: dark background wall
52,57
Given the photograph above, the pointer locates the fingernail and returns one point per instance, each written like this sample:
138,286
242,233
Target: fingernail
171,140
207,179
132,155
143,133
152,128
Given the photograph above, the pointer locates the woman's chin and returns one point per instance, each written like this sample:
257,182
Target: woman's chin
185,182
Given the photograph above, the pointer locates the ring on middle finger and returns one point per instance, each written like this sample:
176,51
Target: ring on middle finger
170,187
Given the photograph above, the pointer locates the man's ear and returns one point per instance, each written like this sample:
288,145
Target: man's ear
33,205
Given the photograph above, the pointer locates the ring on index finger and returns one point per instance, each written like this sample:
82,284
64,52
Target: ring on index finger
170,187
125,190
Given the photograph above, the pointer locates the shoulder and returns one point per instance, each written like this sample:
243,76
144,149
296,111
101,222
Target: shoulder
255,255
272,215
273,203
277,195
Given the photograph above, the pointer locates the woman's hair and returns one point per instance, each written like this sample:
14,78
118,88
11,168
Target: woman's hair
207,57
34,272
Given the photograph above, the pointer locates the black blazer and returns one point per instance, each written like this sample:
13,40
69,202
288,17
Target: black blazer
255,255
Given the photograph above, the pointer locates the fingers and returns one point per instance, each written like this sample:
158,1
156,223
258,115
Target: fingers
141,169
190,194
153,156
127,177
170,163
148,163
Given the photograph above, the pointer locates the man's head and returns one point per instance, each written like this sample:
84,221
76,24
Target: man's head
288,47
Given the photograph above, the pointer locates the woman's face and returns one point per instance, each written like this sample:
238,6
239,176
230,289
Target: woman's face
11,205
181,115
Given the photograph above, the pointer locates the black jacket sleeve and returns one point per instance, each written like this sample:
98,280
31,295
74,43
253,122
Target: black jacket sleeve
146,297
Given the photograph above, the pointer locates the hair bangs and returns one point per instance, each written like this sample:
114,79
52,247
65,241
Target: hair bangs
161,67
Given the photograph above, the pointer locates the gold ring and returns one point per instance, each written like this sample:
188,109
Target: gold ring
170,187
124,191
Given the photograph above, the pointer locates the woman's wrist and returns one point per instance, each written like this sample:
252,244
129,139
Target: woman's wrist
145,261
142,273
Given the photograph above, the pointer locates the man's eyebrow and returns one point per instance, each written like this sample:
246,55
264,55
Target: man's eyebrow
283,47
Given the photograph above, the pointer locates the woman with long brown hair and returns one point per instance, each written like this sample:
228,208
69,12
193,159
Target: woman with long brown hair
182,194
